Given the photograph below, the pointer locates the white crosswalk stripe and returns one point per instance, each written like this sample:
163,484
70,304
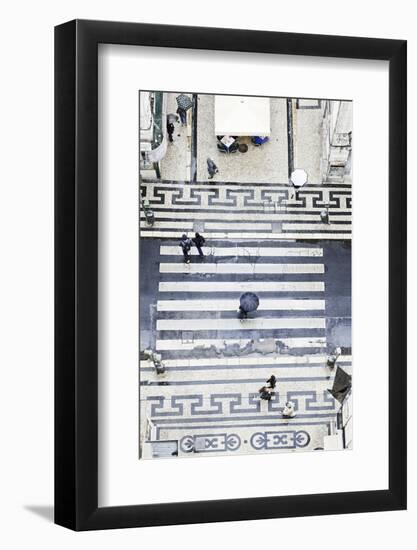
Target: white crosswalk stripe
229,269
231,305
316,227
245,251
244,286
236,324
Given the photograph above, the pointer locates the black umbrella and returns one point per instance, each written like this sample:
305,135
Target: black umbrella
341,385
184,102
249,302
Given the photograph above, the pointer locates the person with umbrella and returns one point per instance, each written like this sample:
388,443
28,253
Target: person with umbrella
184,103
248,302
183,115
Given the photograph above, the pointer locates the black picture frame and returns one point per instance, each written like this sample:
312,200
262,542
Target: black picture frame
76,272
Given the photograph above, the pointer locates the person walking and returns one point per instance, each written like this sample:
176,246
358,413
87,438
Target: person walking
170,130
265,393
272,381
199,241
212,168
243,314
185,244
182,113
288,411
333,357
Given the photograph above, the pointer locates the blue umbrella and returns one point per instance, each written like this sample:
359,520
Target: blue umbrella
249,302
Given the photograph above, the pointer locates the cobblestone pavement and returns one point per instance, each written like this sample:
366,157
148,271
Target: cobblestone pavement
270,162
266,163
263,211
175,165
307,125
207,400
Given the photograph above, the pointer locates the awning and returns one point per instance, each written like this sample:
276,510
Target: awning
242,116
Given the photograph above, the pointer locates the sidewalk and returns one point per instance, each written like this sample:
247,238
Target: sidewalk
266,163
174,166
307,131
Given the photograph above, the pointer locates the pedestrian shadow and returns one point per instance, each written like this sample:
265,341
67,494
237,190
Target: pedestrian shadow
45,512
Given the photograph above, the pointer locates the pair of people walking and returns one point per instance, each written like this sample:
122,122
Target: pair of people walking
186,244
266,391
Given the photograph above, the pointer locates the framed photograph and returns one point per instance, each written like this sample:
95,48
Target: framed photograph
230,338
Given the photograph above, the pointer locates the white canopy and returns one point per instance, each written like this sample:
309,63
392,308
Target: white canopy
242,116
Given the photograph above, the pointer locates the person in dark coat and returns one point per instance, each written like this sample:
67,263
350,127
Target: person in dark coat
272,381
182,113
265,393
243,314
199,241
170,130
211,167
185,244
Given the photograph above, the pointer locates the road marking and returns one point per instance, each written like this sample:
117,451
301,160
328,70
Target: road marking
219,344
233,268
249,384
168,225
241,251
316,227
236,225
209,225
236,324
249,360
241,286
259,374
181,209
149,232
231,186
231,305
244,216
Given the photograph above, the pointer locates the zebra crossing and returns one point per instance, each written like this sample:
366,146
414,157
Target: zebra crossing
207,399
